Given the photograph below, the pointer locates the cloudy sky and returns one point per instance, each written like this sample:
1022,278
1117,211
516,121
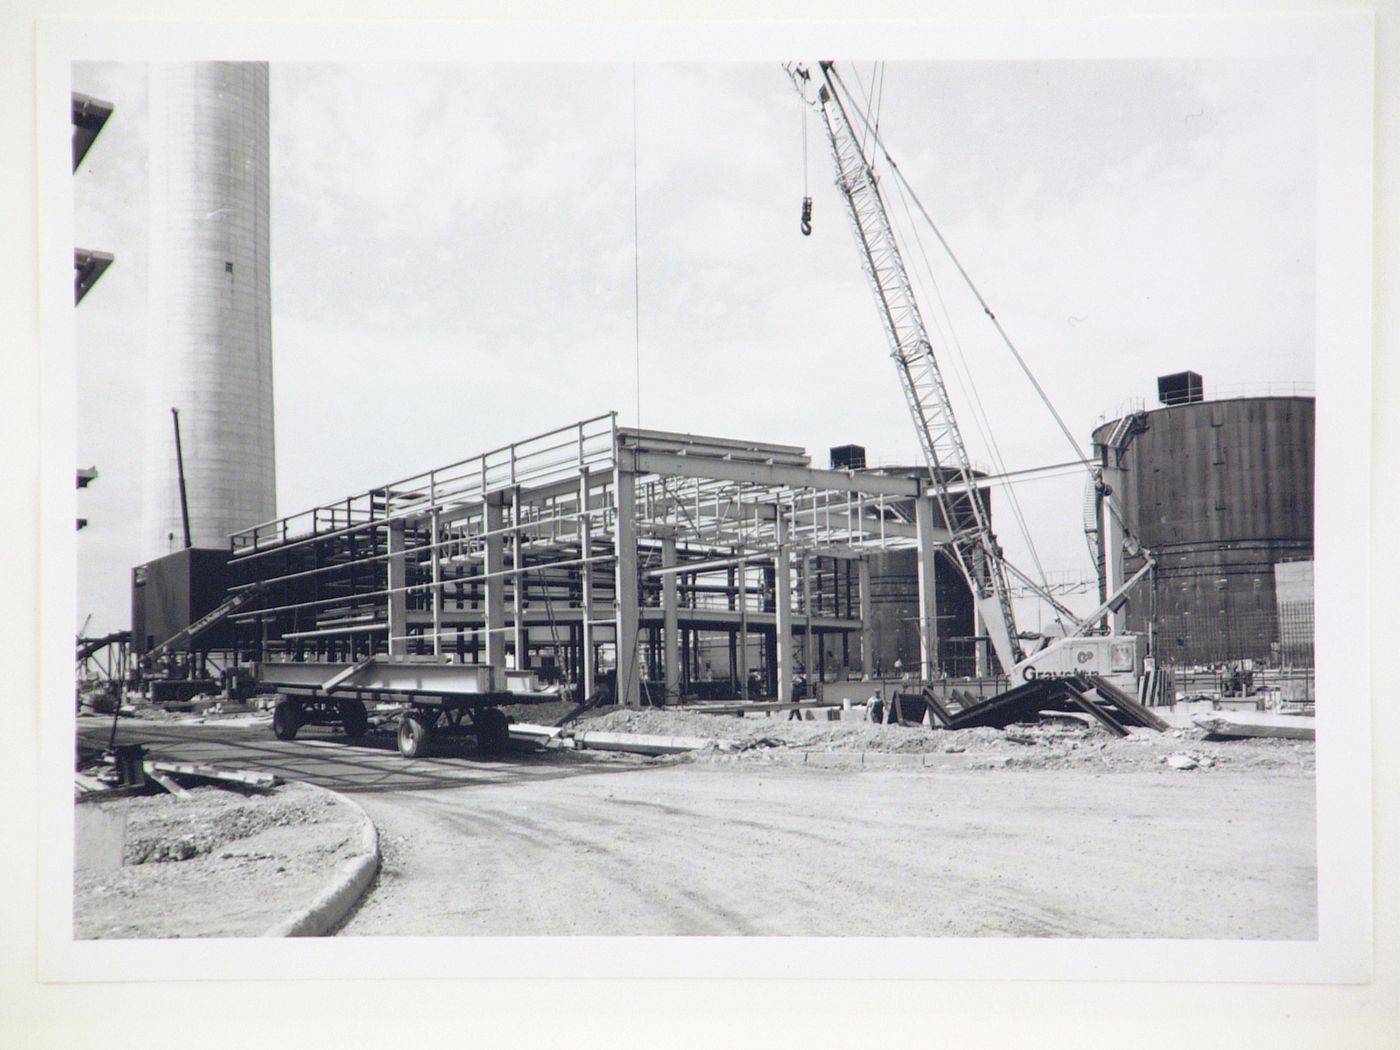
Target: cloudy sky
453,264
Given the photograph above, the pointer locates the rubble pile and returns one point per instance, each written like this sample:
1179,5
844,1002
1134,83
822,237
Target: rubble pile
1042,745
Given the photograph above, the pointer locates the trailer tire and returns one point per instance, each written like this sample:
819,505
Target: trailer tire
492,731
354,718
286,720
413,736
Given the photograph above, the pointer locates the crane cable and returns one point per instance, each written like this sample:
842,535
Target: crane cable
980,417
964,375
875,134
803,105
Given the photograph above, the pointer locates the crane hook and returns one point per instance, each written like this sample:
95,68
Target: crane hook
806,216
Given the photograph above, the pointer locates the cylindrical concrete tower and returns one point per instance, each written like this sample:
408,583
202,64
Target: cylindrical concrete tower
211,349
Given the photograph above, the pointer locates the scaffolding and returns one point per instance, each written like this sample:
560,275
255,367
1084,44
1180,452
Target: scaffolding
610,557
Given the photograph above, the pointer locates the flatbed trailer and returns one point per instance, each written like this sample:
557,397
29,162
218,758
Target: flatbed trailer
441,698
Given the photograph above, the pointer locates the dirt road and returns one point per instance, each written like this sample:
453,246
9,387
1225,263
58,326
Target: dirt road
701,849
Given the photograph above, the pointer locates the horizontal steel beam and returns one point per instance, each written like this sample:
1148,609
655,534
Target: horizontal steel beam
772,474
384,675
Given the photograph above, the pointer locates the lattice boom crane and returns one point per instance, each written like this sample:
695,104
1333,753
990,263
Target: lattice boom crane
974,545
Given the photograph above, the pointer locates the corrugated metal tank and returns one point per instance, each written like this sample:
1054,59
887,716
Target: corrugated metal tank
211,348
1219,491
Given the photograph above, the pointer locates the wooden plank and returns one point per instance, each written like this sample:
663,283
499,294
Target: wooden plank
1288,727
89,784
117,792
758,705
245,778
165,782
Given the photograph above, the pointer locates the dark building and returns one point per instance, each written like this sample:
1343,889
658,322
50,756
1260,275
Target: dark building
1220,492
170,593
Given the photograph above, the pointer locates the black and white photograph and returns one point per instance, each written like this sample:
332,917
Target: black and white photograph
657,509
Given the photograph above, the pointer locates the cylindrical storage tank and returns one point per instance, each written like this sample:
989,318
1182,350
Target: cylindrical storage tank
1219,492
211,349
894,613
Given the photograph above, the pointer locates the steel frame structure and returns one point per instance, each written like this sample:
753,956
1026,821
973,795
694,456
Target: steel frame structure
599,545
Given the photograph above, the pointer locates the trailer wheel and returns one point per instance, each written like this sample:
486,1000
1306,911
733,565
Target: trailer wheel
413,736
286,720
354,718
492,731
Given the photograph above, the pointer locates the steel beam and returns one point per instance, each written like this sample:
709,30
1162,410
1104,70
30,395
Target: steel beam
495,585
397,597
517,590
436,527
586,569
629,673
924,515
769,474
383,674
670,632
867,634
782,607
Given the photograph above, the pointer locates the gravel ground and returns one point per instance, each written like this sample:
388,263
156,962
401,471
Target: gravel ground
217,864
661,848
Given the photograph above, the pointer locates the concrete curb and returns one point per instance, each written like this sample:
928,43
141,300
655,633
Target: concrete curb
344,889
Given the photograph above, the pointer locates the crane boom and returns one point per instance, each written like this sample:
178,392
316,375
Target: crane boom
974,546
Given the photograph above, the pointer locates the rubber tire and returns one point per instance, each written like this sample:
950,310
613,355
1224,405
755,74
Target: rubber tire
492,731
413,736
354,719
286,720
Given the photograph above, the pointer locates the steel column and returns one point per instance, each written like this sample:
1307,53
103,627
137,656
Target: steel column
629,685
782,607
397,599
867,635
924,516
521,643
670,647
495,583
586,539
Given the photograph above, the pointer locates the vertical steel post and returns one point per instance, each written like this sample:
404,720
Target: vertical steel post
629,685
398,598
670,658
807,662
782,607
495,583
520,641
436,526
867,633
925,515
586,575
743,597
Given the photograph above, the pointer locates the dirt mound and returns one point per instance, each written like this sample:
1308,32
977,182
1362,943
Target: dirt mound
165,828
1046,745
217,864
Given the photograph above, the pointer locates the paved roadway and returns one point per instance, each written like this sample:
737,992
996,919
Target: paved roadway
322,755
551,844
